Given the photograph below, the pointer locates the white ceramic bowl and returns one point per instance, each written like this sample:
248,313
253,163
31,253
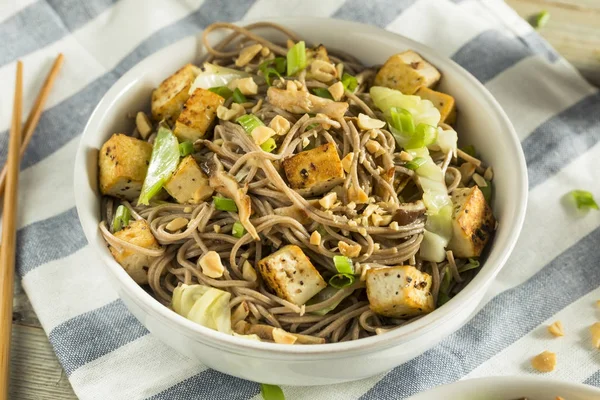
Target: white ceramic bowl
510,388
481,123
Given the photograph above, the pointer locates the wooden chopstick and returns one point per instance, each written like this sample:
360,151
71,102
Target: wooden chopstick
7,249
34,114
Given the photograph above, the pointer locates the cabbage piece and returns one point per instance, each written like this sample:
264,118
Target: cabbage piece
215,75
438,227
204,305
423,111
446,141
326,294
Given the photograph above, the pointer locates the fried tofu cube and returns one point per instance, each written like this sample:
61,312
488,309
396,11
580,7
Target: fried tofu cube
168,98
123,163
198,114
315,171
442,101
188,184
398,292
472,222
407,72
291,275
135,264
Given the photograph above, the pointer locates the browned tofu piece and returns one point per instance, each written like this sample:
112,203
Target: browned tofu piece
188,184
315,171
123,163
291,275
172,93
472,222
198,114
442,101
137,233
398,292
407,72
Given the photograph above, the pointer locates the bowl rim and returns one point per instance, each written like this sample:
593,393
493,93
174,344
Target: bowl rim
405,333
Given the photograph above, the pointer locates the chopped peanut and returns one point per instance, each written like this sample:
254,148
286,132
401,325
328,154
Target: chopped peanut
261,134
595,330
143,124
247,54
365,122
358,196
373,146
283,337
265,51
404,156
556,329
337,91
328,200
229,114
217,228
348,250
347,162
177,224
246,85
544,362
323,71
315,238
211,265
248,272
280,125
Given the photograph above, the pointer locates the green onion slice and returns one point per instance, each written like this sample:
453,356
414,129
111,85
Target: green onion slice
163,162
487,191
224,204
402,120
472,264
470,150
121,219
322,92
238,97
340,281
222,91
415,163
443,298
186,148
423,136
269,145
584,199
343,265
238,229
249,122
296,58
350,83
541,19
274,67
271,392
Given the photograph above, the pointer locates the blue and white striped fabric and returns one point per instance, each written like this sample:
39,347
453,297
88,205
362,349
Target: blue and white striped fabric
553,274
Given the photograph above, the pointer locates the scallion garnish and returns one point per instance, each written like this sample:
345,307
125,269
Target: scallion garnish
296,58
238,97
186,148
444,292
224,204
249,122
274,67
269,145
271,392
238,229
121,219
350,83
423,136
343,265
584,199
415,163
402,120
322,92
486,191
541,19
472,264
470,150
222,91
340,281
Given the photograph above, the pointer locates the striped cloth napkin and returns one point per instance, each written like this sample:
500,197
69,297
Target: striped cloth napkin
553,273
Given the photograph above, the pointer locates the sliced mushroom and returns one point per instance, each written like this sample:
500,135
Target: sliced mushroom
301,102
226,185
407,213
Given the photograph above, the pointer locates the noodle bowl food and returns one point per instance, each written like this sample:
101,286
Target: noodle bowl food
287,193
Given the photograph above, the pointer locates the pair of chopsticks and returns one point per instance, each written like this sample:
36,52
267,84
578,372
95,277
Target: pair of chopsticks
9,179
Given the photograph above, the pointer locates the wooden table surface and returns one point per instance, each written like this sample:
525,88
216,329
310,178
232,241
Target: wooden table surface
573,29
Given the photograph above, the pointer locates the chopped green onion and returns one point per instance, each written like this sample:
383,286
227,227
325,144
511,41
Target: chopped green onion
415,163
423,136
222,91
268,73
249,122
350,83
311,126
472,264
470,150
238,97
186,148
322,92
584,199
296,58
486,191
343,265
446,281
163,162
443,298
121,219
271,392
268,70
402,120
224,204
340,281
269,145
238,229
541,19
